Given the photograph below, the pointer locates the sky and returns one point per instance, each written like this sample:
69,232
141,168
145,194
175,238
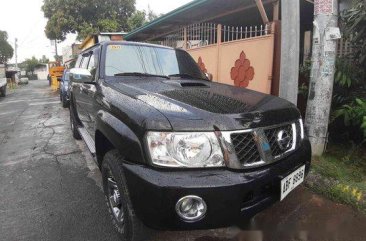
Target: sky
23,19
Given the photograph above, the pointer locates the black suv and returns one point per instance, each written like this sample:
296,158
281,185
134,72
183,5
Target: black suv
177,151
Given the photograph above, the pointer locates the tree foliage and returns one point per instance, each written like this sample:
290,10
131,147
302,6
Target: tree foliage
85,17
349,95
354,26
44,60
354,114
30,64
151,15
6,50
139,18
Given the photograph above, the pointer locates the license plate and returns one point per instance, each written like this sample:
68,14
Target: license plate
293,180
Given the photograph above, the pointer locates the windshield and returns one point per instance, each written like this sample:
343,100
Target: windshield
150,60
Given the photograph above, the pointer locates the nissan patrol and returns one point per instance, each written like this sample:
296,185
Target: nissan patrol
176,151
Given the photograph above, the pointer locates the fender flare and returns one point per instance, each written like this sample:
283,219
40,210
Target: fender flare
120,136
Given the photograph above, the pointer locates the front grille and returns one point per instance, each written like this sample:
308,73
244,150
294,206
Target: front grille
265,145
272,137
245,148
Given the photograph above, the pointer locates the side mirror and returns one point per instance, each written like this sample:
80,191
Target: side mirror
209,76
80,75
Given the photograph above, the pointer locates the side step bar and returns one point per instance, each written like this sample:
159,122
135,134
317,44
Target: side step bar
88,140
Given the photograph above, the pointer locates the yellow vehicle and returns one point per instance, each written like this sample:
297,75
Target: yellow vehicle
55,71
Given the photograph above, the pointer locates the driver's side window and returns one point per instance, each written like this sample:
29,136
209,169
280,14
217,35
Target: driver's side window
85,61
93,63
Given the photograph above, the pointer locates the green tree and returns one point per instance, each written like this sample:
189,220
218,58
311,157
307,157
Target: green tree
44,60
151,15
354,26
85,17
139,18
349,95
30,64
6,51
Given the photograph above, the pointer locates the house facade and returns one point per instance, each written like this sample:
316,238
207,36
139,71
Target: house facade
237,41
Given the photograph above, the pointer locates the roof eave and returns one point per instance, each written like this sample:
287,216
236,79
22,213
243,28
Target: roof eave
166,16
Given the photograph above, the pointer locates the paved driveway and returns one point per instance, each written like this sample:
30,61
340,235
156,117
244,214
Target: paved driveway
50,188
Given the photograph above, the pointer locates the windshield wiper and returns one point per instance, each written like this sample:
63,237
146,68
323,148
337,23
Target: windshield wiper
141,75
185,75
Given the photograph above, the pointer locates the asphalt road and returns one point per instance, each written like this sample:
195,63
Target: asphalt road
50,188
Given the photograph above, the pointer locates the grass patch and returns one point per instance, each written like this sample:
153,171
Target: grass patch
340,174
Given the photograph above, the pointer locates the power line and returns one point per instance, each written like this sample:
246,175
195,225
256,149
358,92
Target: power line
30,31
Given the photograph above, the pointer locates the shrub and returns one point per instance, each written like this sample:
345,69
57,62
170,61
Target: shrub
354,115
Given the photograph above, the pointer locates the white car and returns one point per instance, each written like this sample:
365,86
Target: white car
2,81
23,81
3,87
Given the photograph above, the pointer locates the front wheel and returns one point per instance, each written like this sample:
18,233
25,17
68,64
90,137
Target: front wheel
73,126
64,102
118,199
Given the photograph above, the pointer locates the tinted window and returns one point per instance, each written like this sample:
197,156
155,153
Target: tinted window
150,60
93,63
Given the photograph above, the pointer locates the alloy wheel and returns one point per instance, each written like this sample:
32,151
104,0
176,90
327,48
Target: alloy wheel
114,198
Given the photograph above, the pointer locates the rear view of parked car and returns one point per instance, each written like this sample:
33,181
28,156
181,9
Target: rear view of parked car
64,86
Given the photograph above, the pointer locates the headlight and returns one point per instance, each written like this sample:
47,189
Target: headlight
192,150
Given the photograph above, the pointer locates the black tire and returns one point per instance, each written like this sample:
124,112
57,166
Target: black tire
130,228
73,125
3,91
64,102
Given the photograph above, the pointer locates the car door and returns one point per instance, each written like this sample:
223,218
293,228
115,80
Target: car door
88,93
77,91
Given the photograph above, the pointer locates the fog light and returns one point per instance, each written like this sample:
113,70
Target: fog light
191,208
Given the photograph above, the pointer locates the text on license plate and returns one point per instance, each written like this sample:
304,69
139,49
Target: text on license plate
290,182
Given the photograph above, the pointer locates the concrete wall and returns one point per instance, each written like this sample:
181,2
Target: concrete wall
41,72
247,63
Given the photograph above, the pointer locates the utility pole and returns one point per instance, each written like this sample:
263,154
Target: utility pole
325,34
16,52
290,50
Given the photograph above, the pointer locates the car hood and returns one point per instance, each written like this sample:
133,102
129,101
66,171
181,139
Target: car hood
202,105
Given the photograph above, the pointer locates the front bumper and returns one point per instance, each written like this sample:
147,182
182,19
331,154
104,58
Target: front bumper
230,195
